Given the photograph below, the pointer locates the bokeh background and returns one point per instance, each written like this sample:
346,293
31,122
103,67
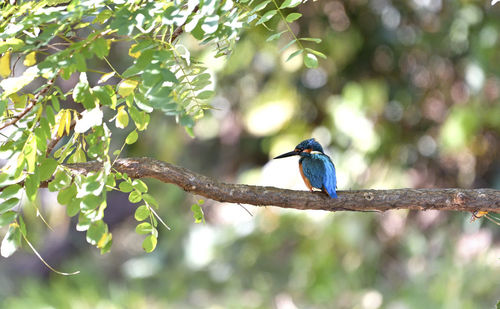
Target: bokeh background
408,97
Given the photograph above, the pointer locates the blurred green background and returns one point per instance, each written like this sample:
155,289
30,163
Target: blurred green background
408,97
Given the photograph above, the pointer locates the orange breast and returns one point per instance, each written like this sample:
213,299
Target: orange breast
306,181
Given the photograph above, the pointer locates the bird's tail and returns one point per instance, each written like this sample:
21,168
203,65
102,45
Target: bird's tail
330,191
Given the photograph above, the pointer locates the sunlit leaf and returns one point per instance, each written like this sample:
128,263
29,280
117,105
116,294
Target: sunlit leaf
132,137
14,84
317,53
121,118
135,196
290,4
292,17
7,218
133,54
149,243
260,6
125,187
139,185
5,65
275,36
315,40
141,213
198,214
90,118
8,204
66,195
11,241
266,17
11,43
47,168
105,77
311,61
144,228
126,87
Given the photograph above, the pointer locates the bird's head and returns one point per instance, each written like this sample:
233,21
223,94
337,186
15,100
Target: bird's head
307,146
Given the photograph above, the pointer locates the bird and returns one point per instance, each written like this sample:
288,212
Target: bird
316,168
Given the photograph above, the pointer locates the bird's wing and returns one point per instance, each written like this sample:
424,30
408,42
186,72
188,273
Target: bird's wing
314,170
330,177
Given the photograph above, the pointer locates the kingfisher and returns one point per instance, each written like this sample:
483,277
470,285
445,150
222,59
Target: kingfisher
316,168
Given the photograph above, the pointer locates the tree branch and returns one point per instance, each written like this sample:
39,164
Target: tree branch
470,200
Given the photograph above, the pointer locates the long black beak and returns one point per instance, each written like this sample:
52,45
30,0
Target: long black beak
288,154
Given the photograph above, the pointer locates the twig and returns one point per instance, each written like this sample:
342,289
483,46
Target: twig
30,106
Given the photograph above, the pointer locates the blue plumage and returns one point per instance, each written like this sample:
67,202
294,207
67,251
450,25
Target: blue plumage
317,169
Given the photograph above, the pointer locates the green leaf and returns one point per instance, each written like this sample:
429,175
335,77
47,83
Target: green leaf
47,168
96,231
317,53
186,121
126,87
198,213
8,204
9,192
7,218
13,43
100,47
125,187
104,78
275,36
150,200
315,40
30,153
90,202
140,118
140,186
294,54
61,180
132,137
73,207
80,64
49,112
105,242
293,17
141,213
5,65
149,243
121,118
135,196
266,17
31,185
144,228
14,84
311,61
205,95
260,6
67,195
11,241
103,95
103,16
290,4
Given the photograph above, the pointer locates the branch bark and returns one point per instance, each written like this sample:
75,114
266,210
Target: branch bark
470,200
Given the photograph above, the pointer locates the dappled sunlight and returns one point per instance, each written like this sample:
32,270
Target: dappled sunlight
351,122
267,118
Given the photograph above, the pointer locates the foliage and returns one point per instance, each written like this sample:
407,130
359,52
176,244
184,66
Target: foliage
68,39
